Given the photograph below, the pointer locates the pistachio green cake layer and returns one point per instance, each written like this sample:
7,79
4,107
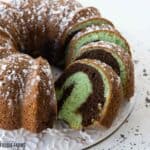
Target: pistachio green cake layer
82,89
123,71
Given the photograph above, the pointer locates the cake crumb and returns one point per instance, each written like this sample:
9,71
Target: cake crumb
147,100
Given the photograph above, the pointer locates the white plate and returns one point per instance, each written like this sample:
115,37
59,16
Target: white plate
61,137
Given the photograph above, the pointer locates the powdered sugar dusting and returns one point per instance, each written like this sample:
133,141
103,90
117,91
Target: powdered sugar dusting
30,17
3,67
111,75
112,48
35,80
18,19
12,77
104,44
14,72
93,28
85,14
106,68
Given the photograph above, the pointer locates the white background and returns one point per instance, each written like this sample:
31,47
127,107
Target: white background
132,18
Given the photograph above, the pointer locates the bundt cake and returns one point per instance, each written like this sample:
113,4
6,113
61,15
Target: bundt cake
89,93
35,34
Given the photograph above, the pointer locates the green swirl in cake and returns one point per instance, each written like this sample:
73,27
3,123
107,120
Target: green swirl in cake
84,90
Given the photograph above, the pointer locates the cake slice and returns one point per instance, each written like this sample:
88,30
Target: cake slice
114,56
89,93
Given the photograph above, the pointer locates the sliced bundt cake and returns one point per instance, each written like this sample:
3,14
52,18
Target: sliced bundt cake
89,91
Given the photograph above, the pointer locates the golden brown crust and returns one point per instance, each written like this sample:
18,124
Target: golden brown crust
7,45
38,110
110,110
130,86
85,13
11,91
9,117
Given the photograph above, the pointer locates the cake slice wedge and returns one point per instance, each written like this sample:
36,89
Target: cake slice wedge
114,56
89,94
